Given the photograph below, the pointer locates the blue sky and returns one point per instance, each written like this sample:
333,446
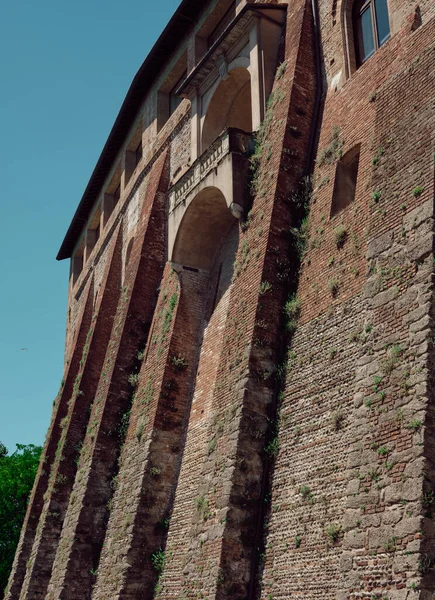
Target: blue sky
65,68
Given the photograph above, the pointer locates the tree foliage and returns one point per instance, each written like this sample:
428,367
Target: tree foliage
17,474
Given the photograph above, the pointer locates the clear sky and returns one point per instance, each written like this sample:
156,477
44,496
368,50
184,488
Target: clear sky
65,68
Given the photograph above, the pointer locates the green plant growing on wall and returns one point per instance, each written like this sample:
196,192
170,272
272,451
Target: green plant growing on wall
390,545
179,362
428,501
158,561
140,427
272,447
333,286
377,380
425,564
292,311
333,151
202,506
164,523
265,287
211,446
332,353
300,237
123,426
415,425
338,418
376,196
333,532
282,67
377,156
393,358
340,236
306,493
417,191
133,379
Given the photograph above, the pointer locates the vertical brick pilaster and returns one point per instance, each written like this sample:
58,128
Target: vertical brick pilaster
64,466
86,518
152,453
23,561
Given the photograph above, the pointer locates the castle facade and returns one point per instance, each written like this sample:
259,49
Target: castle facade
247,408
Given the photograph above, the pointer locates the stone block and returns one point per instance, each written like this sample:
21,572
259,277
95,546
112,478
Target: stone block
378,245
417,216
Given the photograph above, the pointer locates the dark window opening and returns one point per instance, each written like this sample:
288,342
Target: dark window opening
345,180
167,99
117,195
174,100
112,195
93,233
133,154
138,154
371,27
77,262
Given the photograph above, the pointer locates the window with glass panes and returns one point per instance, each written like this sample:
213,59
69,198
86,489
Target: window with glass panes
372,27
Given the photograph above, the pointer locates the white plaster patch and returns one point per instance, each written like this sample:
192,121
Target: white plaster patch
132,214
335,82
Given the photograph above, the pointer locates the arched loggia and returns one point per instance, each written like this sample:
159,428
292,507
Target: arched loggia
203,229
230,106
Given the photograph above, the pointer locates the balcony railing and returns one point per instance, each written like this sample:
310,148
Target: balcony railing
231,141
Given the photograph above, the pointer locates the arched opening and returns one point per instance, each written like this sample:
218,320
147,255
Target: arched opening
203,228
230,106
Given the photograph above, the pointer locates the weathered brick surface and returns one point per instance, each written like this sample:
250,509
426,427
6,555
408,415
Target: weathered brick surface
60,411
250,469
73,425
86,518
352,419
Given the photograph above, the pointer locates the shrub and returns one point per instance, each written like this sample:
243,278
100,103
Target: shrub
265,287
292,310
272,447
340,236
179,362
415,425
333,532
133,379
158,560
333,286
376,196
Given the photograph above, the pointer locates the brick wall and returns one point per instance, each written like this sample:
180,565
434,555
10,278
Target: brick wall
351,480
198,449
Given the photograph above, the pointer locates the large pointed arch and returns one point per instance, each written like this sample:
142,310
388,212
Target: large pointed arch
204,225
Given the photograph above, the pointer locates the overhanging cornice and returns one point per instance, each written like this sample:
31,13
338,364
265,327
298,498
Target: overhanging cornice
228,38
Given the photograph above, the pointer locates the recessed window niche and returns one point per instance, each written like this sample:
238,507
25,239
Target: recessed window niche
345,180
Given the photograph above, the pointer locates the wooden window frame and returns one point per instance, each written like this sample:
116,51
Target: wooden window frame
359,7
